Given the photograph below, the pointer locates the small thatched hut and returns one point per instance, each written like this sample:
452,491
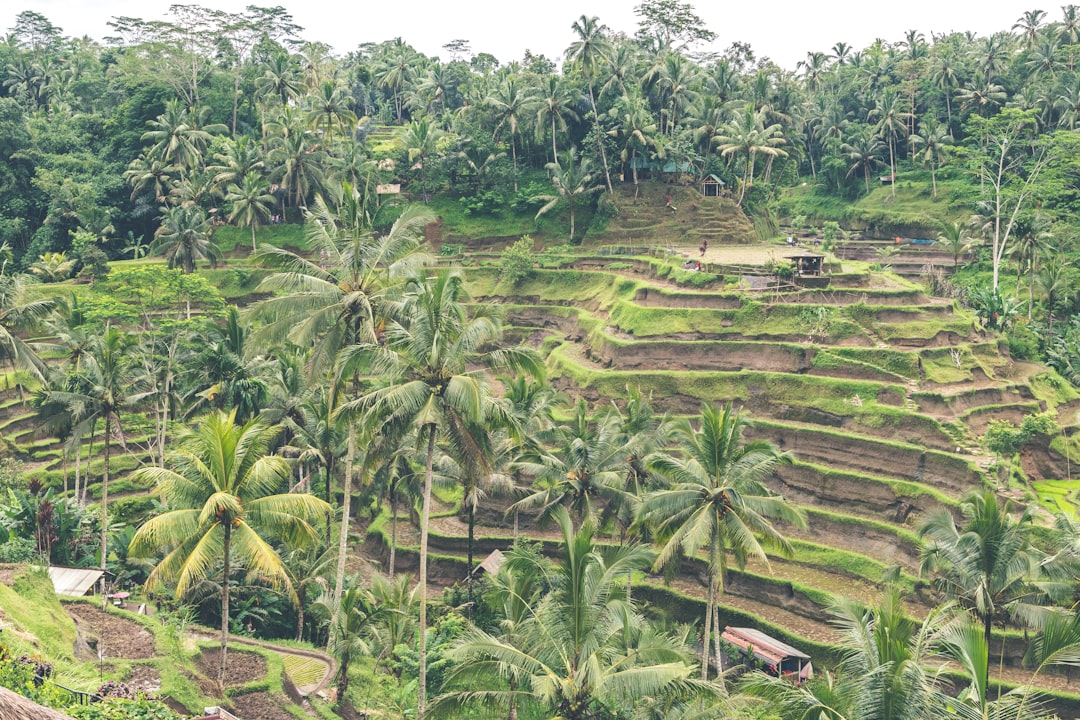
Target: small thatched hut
15,707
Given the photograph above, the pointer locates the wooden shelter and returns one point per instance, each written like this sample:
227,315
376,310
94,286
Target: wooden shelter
777,658
807,264
491,564
712,185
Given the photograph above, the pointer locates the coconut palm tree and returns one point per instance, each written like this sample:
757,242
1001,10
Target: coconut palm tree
225,505
932,147
513,103
863,151
579,651
718,501
17,313
251,203
352,622
588,53
331,300
585,471
430,379
185,237
573,181
635,128
747,137
956,240
99,390
886,671
987,564
179,136
556,104
891,124
328,110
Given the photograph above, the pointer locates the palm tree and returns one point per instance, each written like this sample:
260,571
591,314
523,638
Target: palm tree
579,651
1029,24
331,302
885,672
225,505
100,390
251,202
421,141
636,127
280,78
555,103
352,621
298,163
588,53
718,501
585,471
1034,242
932,147
956,240
240,156
987,564
512,102
185,237
748,137
328,108
430,380
573,181
179,136
892,122
17,313
863,151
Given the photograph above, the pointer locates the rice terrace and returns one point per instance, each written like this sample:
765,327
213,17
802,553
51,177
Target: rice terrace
640,382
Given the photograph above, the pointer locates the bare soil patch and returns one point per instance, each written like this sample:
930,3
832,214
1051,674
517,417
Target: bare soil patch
116,636
145,677
259,706
240,667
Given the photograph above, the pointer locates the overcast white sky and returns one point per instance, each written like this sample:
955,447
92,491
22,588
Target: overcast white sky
781,29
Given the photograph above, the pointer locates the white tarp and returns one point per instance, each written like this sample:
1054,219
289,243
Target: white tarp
73,582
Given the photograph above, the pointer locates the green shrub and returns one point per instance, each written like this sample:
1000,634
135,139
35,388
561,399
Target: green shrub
517,261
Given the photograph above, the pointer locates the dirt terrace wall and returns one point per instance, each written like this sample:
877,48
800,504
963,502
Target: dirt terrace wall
728,356
956,405
848,493
949,474
655,297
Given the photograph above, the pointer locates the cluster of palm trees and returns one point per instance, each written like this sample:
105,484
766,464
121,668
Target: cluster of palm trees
301,117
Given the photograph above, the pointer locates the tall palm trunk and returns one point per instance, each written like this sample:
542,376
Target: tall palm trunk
225,603
105,505
554,148
708,628
343,535
513,152
393,531
78,466
470,566
326,494
599,140
425,514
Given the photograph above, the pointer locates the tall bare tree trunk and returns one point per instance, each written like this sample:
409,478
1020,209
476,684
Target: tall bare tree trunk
343,535
425,515
105,506
225,606
708,633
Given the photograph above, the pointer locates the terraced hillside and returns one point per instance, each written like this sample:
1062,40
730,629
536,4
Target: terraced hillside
878,390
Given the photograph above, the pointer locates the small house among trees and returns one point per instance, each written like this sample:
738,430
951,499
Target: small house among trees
712,185
774,657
